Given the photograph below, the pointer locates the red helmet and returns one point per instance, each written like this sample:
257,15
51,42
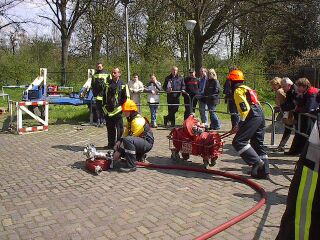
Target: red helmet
236,75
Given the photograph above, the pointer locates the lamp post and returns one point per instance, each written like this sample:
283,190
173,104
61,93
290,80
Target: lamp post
190,24
126,3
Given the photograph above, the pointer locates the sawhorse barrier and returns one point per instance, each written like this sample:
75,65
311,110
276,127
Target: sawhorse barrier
22,107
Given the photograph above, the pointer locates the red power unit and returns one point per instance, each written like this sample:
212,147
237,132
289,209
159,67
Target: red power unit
192,139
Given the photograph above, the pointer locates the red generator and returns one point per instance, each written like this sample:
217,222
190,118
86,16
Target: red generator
193,139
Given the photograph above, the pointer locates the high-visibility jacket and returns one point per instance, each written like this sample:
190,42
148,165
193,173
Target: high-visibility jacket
137,126
244,98
116,93
98,84
301,218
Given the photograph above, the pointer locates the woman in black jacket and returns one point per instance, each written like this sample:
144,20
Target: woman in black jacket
212,94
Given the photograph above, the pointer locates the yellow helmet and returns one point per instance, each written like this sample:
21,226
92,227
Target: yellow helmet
129,105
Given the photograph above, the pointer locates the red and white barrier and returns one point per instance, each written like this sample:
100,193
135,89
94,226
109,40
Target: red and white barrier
22,107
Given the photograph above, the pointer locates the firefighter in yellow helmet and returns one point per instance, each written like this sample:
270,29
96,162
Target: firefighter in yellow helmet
136,140
249,137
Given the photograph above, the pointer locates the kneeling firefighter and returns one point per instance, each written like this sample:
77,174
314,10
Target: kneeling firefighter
136,140
250,128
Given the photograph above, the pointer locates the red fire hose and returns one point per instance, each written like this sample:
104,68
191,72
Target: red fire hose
234,220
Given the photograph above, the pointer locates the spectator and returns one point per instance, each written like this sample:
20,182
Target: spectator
202,97
153,88
286,117
192,89
305,102
173,85
287,107
212,91
232,109
136,87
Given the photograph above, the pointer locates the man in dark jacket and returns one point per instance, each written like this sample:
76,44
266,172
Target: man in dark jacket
228,92
192,89
115,95
173,85
98,85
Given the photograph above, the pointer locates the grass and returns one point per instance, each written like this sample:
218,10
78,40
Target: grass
59,114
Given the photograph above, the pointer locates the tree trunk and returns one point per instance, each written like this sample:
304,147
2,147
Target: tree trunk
64,59
96,47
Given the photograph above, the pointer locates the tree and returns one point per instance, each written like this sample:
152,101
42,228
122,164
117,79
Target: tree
6,19
213,16
67,14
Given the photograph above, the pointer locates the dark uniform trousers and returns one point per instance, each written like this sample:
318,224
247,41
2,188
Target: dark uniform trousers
187,104
173,109
114,128
252,129
99,112
135,147
301,219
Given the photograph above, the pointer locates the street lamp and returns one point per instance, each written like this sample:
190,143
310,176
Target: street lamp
190,24
126,3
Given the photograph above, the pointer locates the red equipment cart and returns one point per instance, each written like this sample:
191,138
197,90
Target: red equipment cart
192,139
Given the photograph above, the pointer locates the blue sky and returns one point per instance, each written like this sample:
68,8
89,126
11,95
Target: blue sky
30,10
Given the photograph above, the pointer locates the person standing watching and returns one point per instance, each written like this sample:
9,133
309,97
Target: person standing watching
136,87
305,102
153,88
212,91
98,85
250,128
173,85
285,117
202,97
192,89
115,95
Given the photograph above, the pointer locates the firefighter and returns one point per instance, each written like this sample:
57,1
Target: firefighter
115,95
302,215
98,85
136,140
250,128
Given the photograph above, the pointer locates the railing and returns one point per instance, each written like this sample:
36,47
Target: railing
297,127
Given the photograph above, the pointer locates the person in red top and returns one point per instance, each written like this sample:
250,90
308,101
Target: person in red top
305,102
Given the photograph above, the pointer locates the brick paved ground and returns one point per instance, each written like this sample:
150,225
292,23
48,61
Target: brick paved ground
46,194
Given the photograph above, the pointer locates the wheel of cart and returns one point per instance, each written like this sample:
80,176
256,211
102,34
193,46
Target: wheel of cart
175,155
209,146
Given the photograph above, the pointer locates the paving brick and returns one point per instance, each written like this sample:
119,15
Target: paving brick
50,193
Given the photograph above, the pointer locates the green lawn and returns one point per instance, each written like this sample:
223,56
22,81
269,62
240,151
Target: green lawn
80,114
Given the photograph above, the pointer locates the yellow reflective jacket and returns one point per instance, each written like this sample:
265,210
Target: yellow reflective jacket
243,101
138,126
135,127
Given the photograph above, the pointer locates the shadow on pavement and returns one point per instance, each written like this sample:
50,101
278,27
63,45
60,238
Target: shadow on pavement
184,173
274,198
72,148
